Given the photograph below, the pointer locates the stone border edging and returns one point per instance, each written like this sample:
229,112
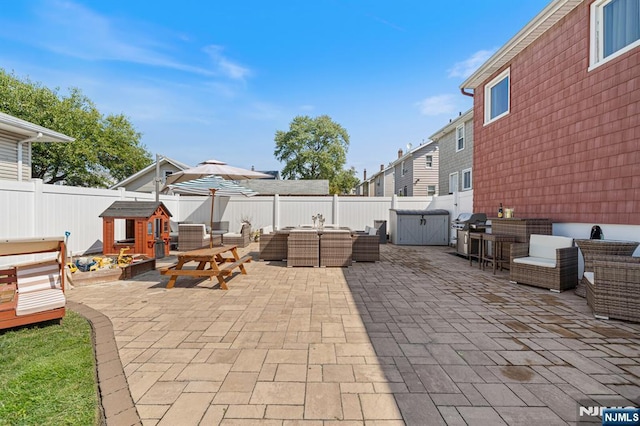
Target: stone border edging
116,403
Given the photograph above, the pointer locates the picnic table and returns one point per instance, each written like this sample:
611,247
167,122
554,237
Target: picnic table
220,265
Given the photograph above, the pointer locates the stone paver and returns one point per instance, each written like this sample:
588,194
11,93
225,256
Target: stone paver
417,338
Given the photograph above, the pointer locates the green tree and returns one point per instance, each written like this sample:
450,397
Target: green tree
313,148
344,182
105,151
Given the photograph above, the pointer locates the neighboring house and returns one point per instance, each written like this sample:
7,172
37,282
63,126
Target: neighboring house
455,146
381,183
144,180
557,116
16,138
416,171
287,187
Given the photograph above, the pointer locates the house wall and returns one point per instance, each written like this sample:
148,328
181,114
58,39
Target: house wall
452,161
569,150
9,156
146,182
415,169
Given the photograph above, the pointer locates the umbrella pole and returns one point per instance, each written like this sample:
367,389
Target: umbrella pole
213,198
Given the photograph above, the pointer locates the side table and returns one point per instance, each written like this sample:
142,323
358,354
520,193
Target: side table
496,257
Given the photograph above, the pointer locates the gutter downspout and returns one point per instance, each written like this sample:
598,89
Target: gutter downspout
466,93
20,143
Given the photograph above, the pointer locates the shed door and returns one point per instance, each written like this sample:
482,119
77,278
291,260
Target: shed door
410,231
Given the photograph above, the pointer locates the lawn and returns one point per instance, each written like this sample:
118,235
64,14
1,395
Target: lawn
47,374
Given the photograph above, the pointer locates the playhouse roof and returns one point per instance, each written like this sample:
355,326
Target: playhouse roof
134,209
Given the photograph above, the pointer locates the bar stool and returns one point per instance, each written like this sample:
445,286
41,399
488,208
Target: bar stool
495,258
475,238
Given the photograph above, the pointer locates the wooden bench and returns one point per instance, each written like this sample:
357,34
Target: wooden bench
212,256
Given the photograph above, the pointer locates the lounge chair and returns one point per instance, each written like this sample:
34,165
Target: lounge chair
613,290
547,261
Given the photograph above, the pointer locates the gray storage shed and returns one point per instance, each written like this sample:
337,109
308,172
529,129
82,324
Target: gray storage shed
419,227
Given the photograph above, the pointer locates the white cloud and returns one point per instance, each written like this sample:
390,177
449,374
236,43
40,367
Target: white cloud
465,68
224,65
437,105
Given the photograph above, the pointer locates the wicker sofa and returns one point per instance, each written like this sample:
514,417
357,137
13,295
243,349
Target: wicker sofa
273,245
366,245
242,238
547,261
192,236
613,291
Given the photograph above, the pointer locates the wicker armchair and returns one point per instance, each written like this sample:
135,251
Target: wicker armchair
192,236
366,245
546,261
241,238
335,248
595,248
303,248
273,244
615,289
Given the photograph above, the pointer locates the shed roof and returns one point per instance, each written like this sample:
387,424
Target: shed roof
131,209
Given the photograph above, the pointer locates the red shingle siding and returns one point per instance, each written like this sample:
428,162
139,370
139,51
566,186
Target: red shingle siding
569,150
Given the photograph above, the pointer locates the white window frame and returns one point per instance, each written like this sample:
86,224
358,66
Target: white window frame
428,190
487,96
596,51
402,170
464,172
458,138
428,164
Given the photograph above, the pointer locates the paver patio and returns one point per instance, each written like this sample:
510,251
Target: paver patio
418,338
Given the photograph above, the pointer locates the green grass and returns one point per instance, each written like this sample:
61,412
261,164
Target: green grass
47,374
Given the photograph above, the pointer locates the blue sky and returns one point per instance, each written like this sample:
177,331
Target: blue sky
212,79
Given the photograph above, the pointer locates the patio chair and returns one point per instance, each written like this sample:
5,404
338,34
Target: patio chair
366,245
273,245
303,248
335,248
242,238
613,291
546,261
219,229
193,236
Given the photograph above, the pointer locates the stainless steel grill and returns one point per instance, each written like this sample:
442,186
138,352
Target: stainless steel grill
464,224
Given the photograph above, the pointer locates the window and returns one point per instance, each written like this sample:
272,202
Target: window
431,190
497,97
453,182
466,179
428,160
460,137
402,170
615,29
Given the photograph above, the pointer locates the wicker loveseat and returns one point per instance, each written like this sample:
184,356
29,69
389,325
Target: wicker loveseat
273,245
366,245
192,236
547,261
614,289
242,238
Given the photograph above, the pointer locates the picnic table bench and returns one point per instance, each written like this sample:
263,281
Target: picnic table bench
220,265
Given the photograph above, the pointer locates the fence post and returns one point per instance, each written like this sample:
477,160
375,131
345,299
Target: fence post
39,212
276,211
336,203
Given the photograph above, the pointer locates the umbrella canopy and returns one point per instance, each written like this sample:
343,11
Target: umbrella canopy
214,167
204,185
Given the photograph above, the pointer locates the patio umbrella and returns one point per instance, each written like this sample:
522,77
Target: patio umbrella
210,177
218,168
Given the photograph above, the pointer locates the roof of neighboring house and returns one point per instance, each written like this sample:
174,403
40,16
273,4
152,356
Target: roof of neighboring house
147,169
452,125
287,187
133,209
30,130
550,15
410,152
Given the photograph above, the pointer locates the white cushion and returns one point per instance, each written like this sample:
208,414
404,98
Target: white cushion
367,229
38,276
537,261
267,229
589,277
545,245
373,231
39,301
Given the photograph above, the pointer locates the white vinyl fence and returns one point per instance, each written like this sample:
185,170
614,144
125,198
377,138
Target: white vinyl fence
33,209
